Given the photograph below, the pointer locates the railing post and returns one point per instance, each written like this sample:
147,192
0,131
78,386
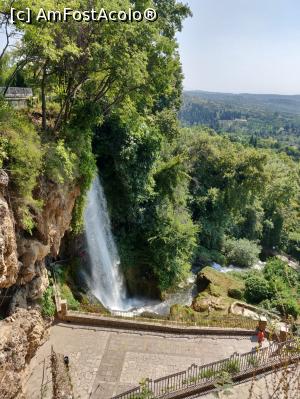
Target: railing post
148,386
191,374
63,307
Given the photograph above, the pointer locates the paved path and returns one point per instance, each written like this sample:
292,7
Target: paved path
105,362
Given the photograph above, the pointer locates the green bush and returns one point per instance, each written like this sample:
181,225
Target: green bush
47,303
276,268
293,246
235,293
256,289
232,366
21,153
61,163
242,252
287,306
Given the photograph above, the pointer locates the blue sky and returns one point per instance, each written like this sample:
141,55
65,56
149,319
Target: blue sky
242,46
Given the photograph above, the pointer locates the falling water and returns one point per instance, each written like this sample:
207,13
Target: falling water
105,278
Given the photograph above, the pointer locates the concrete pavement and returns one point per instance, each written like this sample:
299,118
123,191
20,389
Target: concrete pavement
105,362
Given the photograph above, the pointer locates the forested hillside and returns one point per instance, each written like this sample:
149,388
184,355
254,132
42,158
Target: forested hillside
268,121
243,199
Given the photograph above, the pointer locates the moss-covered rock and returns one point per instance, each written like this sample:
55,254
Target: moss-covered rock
206,302
182,313
217,282
213,289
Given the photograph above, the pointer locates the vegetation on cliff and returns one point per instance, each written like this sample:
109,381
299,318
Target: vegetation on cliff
274,289
108,96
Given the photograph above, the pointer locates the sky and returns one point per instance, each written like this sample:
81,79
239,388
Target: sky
239,46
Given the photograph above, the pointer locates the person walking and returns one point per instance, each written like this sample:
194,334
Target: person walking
260,337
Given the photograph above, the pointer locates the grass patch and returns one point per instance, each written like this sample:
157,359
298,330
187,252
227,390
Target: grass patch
67,294
47,303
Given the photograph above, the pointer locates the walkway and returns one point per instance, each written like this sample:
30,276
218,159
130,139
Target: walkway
105,362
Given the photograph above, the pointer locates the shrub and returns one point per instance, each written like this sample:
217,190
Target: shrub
232,366
276,268
256,289
20,146
208,256
21,153
47,304
242,252
287,306
235,293
61,163
67,294
294,244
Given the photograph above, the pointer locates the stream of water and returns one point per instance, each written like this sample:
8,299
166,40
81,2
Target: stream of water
105,278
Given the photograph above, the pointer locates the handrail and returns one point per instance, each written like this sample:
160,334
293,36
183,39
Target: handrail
206,321
200,376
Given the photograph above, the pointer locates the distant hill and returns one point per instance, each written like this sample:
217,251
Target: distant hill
264,120
267,102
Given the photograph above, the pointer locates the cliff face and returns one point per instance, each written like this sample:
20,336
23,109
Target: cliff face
21,334
22,258
22,269
9,265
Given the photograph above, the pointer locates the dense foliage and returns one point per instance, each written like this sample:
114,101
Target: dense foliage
277,288
108,81
108,96
241,198
21,154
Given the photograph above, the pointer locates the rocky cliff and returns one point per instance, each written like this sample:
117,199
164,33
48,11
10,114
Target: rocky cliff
21,334
23,276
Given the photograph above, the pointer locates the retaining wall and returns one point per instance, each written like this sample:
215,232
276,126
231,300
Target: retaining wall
96,320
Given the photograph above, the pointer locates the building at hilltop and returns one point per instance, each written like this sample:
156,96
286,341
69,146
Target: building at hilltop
17,96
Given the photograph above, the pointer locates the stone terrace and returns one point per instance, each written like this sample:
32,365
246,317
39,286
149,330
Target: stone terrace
104,362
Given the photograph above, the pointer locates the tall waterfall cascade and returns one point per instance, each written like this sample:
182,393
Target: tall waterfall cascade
105,278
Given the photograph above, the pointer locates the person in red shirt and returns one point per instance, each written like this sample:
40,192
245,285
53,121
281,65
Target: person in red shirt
260,337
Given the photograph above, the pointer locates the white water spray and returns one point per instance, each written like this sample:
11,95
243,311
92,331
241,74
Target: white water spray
105,279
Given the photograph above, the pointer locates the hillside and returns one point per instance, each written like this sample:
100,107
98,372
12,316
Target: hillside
264,120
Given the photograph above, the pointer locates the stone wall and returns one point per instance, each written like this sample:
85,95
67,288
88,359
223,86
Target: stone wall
167,326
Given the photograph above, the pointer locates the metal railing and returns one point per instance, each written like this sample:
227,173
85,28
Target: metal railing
200,376
227,321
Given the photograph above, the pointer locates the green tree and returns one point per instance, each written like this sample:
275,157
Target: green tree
256,289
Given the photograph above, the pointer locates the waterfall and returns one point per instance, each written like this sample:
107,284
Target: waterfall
105,279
